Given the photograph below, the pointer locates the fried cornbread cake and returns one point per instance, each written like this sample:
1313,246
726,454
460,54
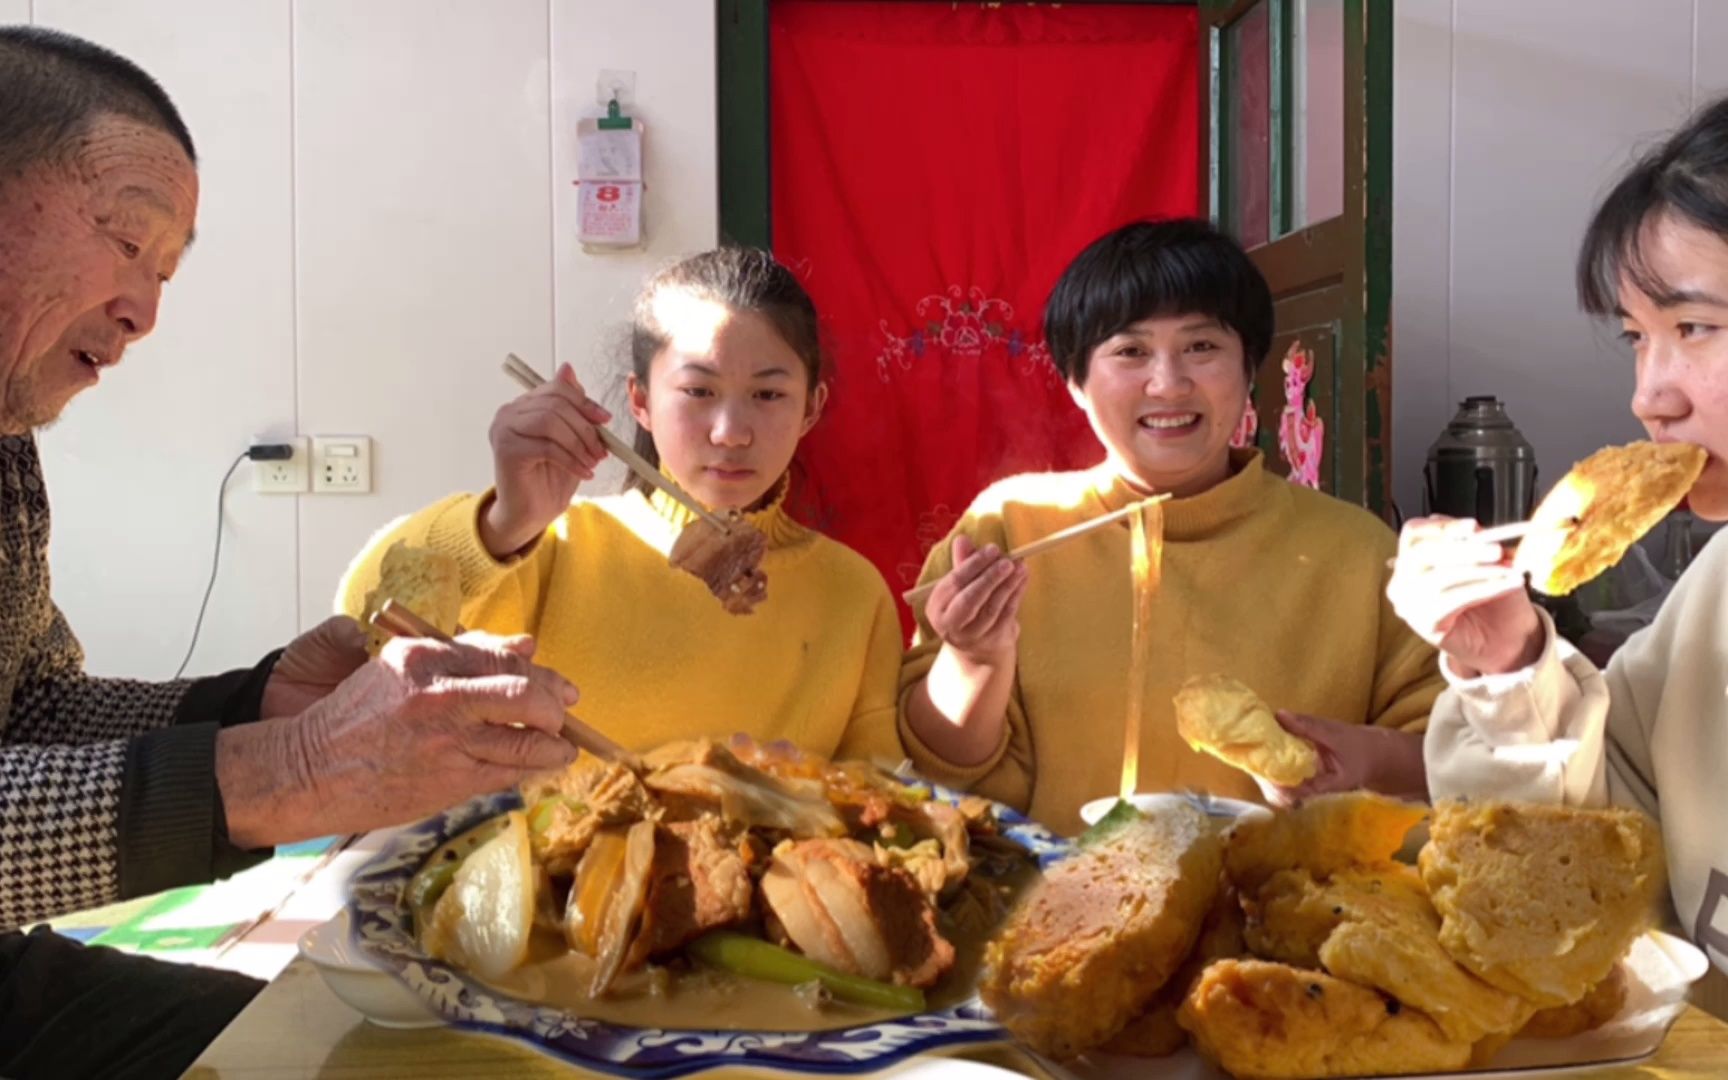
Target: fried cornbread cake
1155,1032
1541,900
1324,835
1218,715
1104,929
1375,926
426,582
1591,1011
1261,1020
1601,508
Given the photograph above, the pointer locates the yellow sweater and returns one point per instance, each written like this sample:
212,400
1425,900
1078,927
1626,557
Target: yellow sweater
655,655
1277,585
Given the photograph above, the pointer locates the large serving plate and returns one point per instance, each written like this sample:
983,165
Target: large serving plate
383,931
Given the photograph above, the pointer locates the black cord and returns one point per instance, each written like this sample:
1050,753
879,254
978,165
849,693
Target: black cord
215,562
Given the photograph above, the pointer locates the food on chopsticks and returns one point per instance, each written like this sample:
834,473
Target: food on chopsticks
1146,566
1218,715
425,581
1343,960
723,884
1601,508
727,561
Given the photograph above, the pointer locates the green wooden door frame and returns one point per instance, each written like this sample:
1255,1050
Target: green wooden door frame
741,65
1349,256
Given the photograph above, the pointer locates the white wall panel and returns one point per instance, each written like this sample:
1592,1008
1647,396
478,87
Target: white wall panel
424,232
133,467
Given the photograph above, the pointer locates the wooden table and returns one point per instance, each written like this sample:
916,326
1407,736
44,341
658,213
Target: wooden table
297,1029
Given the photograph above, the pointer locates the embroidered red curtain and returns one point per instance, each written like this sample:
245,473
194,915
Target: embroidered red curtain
934,168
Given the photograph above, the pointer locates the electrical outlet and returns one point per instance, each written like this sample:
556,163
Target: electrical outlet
289,476
342,464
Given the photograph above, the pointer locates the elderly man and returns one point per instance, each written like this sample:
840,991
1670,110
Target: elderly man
112,788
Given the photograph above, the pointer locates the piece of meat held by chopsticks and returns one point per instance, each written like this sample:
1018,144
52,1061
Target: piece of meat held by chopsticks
727,562
1601,508
725,553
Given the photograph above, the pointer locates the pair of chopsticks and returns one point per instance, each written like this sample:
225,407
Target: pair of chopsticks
528,378
1509,532
397,620
917,596
1517,530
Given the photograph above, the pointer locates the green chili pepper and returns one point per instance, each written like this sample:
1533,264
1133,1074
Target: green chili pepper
757,959
546,811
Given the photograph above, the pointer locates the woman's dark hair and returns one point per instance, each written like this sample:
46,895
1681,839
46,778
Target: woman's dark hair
1686,176
1181,266
739,279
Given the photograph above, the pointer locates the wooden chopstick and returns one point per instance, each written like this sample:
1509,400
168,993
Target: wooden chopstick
399,621
1517,530
1512,530
914,597
518,369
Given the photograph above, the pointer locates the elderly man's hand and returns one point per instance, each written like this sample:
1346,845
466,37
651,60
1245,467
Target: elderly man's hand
312,665
426,726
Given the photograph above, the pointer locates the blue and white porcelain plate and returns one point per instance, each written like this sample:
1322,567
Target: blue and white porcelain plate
383,931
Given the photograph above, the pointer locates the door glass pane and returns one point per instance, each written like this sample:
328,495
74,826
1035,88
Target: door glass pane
1318,86
1248,56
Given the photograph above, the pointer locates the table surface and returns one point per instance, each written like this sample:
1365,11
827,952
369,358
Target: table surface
296,1028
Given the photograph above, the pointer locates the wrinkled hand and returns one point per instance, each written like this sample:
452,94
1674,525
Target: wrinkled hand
975,607
1353,757
429,725
1462,596
543,447
312,665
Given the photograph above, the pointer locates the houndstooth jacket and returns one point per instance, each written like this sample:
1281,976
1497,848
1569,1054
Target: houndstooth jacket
107,786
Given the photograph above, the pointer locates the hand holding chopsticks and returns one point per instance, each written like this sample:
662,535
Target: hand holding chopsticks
529,379
1510,532
919,595
399,621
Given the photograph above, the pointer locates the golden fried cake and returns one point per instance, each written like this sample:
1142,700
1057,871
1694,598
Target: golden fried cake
426,582
1541,900
1217,715
1093,941
1290,917
1155,1032
1601,508
1374,926
1589,1012
1324,835
1267,1021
